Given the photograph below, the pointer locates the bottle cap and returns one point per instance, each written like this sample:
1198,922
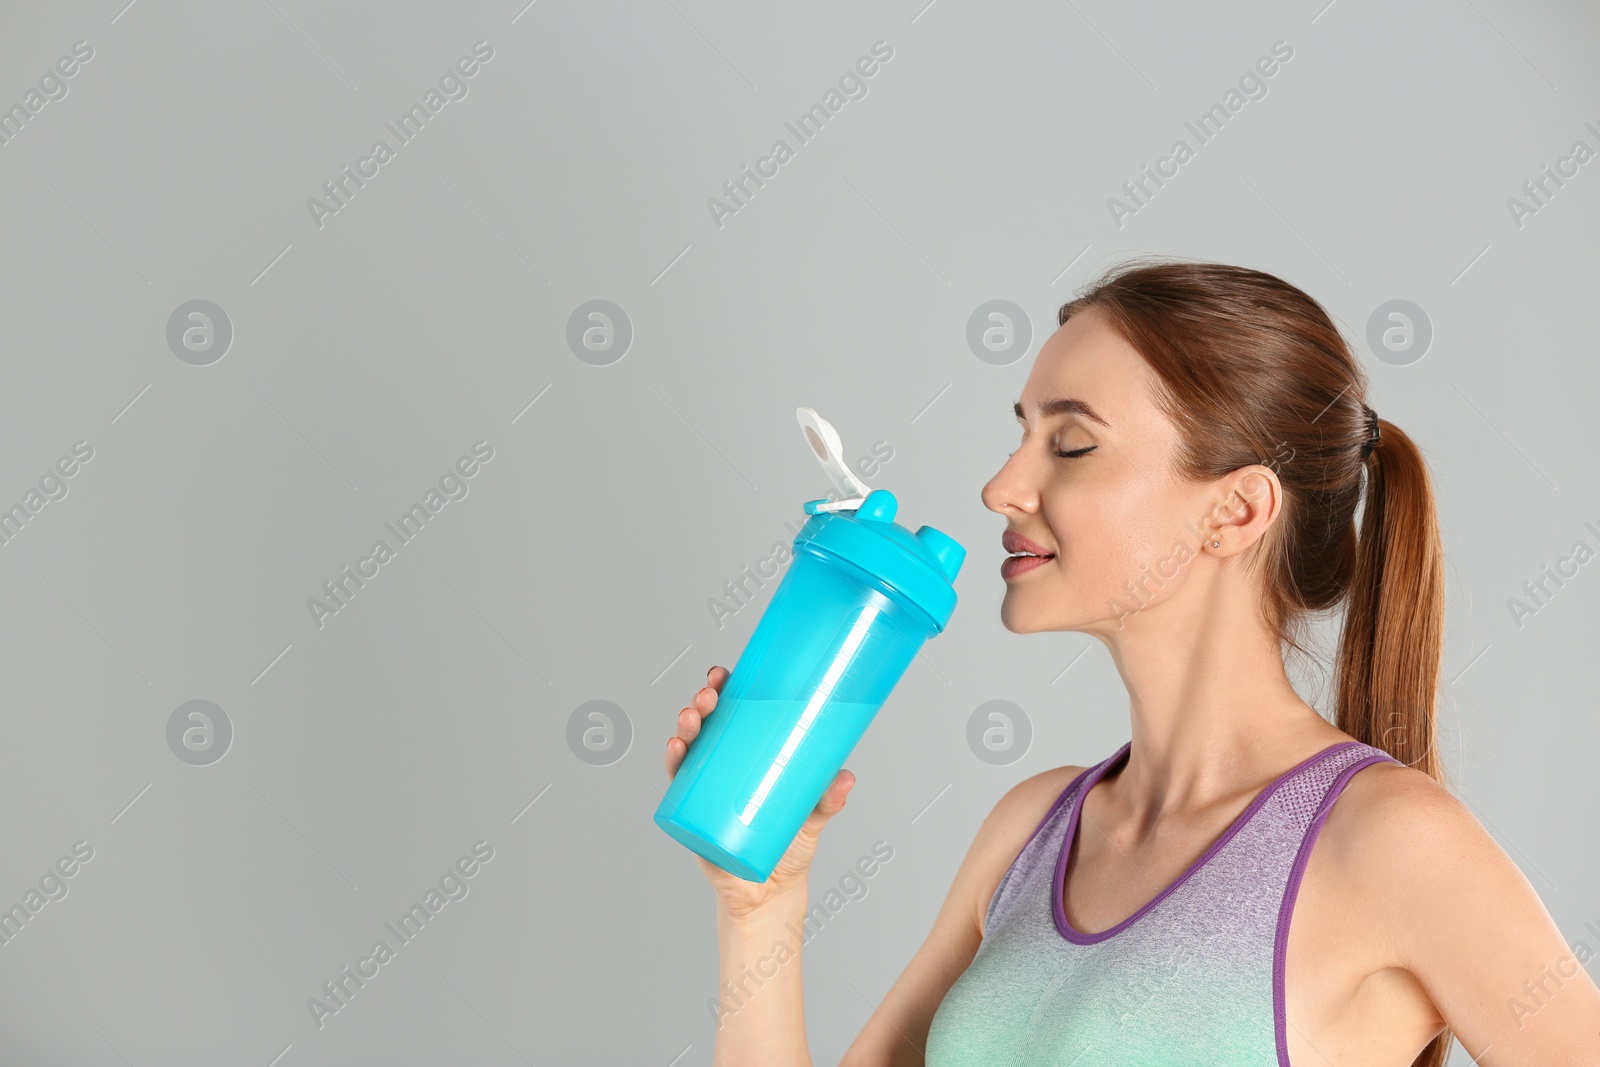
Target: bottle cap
920,566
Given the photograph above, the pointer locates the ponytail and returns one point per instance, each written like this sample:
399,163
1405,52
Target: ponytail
1390,649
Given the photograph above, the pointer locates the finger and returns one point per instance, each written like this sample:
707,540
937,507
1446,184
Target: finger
676,751
717,676
828,806
844,782
832,799
688,725
705,701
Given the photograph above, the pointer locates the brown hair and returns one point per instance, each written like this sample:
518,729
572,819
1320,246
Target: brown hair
1253,370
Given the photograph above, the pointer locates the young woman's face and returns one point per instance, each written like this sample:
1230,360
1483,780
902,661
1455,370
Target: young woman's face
1122,528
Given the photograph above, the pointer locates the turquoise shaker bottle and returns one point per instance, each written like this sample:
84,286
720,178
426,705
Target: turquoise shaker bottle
860,597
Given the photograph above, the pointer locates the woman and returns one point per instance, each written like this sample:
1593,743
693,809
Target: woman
1195,442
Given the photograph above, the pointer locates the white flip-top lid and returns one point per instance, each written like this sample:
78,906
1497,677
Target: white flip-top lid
825,445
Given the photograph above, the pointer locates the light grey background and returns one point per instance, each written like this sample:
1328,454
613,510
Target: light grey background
431,312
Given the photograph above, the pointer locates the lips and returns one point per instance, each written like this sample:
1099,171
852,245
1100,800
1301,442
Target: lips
1015,544
1025,555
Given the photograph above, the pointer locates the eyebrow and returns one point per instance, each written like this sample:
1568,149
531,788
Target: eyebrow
1064,405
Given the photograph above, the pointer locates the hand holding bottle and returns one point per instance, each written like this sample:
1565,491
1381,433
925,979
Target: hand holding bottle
736,896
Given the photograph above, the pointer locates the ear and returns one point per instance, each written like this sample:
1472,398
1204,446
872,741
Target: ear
1251,498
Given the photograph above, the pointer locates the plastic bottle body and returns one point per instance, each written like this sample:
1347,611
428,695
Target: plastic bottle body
826,653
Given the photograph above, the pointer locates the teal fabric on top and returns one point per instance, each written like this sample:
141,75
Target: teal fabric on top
1194,978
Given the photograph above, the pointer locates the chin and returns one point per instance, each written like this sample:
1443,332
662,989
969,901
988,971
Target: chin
1055,620
1018,622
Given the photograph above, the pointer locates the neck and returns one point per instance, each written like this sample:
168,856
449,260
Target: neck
1212,710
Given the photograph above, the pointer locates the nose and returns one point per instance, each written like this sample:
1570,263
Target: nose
1012,488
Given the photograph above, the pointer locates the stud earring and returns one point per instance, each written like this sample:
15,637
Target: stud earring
1216,544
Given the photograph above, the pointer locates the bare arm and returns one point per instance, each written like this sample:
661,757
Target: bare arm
760,1012
896,1035
1462,917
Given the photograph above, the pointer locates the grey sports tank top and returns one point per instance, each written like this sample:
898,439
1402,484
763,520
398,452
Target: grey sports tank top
1194,977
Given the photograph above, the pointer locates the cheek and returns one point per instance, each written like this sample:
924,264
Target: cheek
1111,538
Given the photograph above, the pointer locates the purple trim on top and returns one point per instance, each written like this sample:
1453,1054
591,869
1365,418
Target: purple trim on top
1055,807
1280,949
1065,928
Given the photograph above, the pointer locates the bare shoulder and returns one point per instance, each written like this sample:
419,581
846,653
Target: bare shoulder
1009,826
1395,839
1384,812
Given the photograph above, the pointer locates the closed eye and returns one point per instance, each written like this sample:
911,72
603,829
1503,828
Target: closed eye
1074,453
